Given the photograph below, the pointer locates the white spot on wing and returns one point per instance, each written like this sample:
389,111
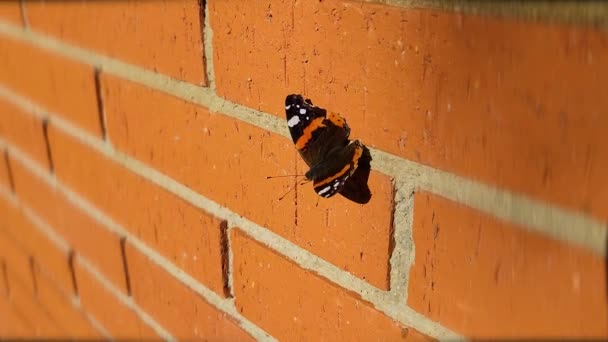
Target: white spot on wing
293,121
325,189
302,111
287,107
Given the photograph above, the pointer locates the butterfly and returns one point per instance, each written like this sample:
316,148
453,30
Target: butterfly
337,164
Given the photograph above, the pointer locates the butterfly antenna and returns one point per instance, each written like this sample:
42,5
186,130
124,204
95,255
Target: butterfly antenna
304,181
288,191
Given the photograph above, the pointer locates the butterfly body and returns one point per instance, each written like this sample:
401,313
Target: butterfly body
337,164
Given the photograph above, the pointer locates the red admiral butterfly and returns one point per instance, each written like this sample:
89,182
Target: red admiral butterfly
337,165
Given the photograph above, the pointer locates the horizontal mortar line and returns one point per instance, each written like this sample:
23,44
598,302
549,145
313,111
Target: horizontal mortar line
380,299
584,13
46,229
530,214
91,318
124,299
59,242
302,257
224,305
554,221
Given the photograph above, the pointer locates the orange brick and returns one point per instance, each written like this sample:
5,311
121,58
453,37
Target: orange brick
86,236
23,302
24,130
408,83
6,181
191,146
191,238
4,289
60,85
36,244
13,324
171,43
303,306
120,321
16,270
11,12
176,307
40,323
59,305
488,279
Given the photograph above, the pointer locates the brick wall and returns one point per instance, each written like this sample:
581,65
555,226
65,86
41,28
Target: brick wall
135,138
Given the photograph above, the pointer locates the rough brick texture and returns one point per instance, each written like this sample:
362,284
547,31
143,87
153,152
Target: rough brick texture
112,314
170,301
475,95
135,146
188,236
39,323
53,258
11,11
24,130
171,42
288,306
61,307
86,236
171,131
16,267
6,180
489,279
63,86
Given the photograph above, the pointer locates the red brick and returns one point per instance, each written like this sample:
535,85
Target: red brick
13,324
474,95
17,270
60,307
171,42
176,307
4,290
191,146
303,306
40,323
488,279
24,130
86,236
189,237
11,12
6,182
119,320
60,85
52,257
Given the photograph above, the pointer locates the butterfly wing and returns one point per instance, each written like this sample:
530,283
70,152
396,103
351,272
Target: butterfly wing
331,175
355,187
314,132
336,164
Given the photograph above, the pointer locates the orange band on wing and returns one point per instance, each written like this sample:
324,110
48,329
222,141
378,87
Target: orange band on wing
307,133
336,119
358,153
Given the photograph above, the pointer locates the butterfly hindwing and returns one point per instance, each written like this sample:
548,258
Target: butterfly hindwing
330,176
356,188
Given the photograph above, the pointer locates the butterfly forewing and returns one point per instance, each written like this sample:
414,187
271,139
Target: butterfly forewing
313,131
